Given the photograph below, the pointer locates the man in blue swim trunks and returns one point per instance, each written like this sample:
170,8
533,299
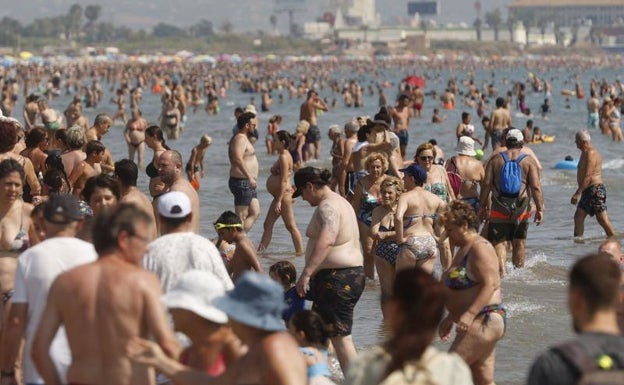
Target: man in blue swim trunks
591,194
244,171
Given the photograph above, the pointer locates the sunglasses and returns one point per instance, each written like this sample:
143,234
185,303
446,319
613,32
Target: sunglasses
426,158
219,226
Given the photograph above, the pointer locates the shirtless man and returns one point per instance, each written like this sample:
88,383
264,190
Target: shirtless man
244,171
593,105
401,115
92,303
591,194
499,120
101,126
88,167
333,260
126,175
31,111
509,214
307,112
171,173
134,134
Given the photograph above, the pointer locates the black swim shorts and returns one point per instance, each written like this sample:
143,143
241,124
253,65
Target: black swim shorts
335,293
242,191
594,199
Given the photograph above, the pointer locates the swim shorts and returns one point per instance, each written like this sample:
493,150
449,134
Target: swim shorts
594,199
509,219
242,191
497,137
335,293
313,135
403,137
593,120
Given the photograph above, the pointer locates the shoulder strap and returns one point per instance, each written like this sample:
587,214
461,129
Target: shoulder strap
505,157
522,156
575,354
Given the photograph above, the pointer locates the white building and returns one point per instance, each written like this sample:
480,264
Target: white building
356,12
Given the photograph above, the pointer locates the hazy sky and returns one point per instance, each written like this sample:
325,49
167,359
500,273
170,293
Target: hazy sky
245,15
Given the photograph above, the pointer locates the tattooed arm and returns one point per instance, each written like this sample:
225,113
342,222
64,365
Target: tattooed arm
328,222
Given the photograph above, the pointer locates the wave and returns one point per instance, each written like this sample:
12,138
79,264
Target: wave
613,164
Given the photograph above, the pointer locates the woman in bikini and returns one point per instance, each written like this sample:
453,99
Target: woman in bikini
474,299
383,232
278,185
135,136
15,228
466,173
415,222
438,183
366,197
155,140
171,119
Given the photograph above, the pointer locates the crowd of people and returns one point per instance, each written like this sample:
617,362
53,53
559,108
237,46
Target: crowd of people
77,235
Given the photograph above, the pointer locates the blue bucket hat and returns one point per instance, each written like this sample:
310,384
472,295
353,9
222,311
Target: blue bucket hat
417,171
256,301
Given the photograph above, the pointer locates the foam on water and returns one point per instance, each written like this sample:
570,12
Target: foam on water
613,164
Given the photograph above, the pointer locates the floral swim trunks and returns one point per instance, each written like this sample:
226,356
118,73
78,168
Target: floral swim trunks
594,199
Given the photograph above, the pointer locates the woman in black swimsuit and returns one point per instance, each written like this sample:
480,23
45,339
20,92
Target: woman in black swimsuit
155,140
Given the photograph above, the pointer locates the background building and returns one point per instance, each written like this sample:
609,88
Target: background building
568,13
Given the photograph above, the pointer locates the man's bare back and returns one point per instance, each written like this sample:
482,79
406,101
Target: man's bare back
93,303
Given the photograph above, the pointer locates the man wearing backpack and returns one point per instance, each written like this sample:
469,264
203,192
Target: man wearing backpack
596,356
511,181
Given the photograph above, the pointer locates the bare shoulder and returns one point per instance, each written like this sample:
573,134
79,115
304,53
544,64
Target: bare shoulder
280,341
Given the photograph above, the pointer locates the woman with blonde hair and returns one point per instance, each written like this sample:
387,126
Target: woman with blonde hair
367,196
383,233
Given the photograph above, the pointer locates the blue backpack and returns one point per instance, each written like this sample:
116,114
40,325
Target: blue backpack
510,181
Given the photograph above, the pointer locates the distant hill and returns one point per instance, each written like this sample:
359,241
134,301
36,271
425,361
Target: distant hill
245,15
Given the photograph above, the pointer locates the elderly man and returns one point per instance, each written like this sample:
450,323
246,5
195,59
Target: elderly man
511,181
178,249
37,268
598,349
101,126
100,316
591,195
172,174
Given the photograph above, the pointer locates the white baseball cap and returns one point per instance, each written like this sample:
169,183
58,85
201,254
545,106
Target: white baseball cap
174,204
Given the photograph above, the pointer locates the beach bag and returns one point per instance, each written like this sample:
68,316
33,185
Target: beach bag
595,366
454,179
510,181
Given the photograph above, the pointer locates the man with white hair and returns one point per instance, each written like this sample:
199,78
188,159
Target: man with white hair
591,195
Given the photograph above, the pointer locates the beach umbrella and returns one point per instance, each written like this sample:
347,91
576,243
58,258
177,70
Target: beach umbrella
25,55
415,81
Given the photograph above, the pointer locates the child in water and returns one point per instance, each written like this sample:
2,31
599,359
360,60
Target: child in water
284,273
229,227
195,165
309,330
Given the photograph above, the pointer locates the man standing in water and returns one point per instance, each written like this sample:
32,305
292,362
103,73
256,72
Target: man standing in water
509,211
307,112
593,105
333,271
244,171
499,121
591,195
